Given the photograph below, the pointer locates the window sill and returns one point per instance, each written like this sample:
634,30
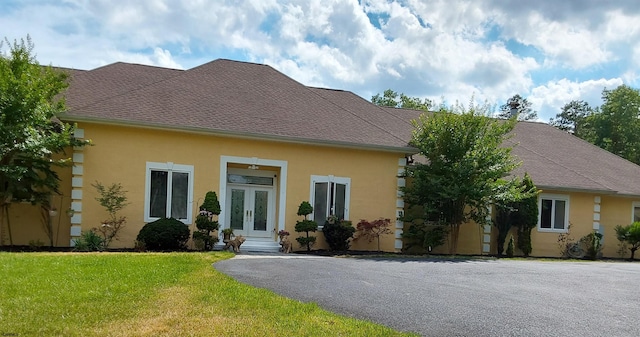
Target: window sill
557,231
184,221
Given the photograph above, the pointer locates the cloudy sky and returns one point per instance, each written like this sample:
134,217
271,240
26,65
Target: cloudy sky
549,51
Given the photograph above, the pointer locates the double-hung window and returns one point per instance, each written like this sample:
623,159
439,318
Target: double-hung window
168,192
635,217
554,213
330,196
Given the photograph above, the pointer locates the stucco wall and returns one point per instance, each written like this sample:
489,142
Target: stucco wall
615,211
586,212
27,222
120,155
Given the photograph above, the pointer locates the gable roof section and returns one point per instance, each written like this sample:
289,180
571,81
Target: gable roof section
230,98
558,160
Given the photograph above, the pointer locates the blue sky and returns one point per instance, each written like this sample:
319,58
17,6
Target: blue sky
549,51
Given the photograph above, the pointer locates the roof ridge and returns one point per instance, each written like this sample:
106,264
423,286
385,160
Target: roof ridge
358,116
179,72
142,65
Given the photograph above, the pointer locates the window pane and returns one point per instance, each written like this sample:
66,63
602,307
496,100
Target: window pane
158,197
179,195
636,213
558,222
260,212
545,216
251,180
340,197
237,209
320,203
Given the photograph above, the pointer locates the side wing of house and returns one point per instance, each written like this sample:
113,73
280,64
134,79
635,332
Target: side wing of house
582,189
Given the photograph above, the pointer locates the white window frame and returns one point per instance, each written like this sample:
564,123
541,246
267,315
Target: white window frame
634,205
168,167
330,179
554,198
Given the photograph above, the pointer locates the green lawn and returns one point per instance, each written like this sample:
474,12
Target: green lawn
148,294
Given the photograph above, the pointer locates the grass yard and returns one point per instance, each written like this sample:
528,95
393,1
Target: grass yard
151,294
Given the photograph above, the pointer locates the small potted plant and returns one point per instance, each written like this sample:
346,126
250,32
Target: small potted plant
227,233
282,234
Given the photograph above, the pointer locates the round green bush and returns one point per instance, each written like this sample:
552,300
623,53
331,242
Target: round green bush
164,234
338,233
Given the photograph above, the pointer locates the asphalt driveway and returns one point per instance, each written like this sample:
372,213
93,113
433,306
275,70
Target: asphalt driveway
458,297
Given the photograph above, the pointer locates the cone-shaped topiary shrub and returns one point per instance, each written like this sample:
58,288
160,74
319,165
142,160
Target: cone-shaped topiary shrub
305,225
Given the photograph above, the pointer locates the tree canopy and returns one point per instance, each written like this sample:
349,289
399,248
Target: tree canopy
466,167
522,106
30,133
614,126
392,99
573,118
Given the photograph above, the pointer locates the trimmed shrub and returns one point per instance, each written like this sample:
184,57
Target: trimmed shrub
164,234
306,226
510,247
425,235
89,241
337,233
593,244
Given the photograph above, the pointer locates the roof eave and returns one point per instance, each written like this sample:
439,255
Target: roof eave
576,189
405,150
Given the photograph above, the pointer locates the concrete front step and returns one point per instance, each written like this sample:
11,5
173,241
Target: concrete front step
255,245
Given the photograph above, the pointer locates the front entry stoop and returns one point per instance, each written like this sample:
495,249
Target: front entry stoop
255,245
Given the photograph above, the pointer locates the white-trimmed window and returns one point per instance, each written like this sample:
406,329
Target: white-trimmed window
554,213
168,192
329,196
635,215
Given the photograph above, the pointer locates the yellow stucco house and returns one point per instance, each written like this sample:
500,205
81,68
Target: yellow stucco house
264,143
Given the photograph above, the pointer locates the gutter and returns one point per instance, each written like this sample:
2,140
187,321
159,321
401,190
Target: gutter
404,150
587,190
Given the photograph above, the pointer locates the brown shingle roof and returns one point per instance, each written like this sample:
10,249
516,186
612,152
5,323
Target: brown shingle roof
559,160
230,97
253,100
93,86
396,121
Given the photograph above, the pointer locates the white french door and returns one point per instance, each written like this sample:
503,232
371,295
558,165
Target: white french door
250,210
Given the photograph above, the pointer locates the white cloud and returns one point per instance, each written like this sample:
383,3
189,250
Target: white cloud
548,99
163,58
427,49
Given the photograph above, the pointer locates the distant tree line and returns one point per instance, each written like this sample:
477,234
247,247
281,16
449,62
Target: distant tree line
613,126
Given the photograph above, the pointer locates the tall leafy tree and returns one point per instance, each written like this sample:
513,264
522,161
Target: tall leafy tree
521,213
573,118
522,106
393,99
30,134
465,170
616,128
525,216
